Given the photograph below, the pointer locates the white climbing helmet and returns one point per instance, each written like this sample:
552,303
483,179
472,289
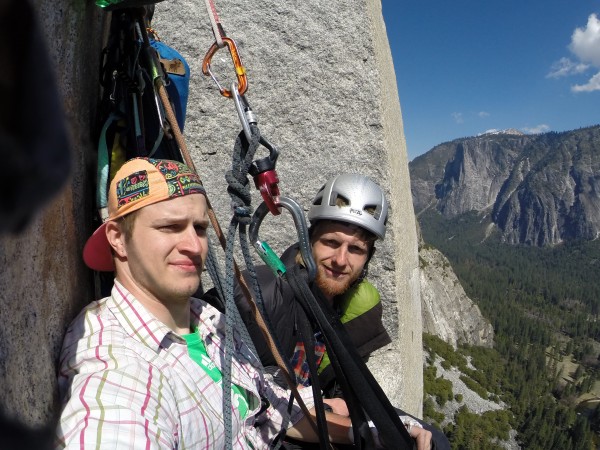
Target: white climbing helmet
354,199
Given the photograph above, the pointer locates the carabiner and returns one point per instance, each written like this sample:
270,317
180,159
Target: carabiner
245,113
240,71
301,229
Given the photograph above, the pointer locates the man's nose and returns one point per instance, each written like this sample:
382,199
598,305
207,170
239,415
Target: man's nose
191,242
340,256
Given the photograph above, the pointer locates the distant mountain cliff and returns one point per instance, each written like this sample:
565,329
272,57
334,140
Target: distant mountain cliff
539,189
447,311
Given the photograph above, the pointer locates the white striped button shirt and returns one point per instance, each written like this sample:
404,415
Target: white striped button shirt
127,382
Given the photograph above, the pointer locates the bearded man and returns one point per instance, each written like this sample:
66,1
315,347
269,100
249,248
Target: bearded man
347,216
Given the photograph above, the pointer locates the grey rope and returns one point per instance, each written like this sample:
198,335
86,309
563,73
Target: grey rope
237,180
213,270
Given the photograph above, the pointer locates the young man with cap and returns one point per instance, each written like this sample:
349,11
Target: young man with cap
142,367
348,215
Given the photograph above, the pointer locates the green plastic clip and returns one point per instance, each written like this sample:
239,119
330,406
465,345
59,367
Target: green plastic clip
269,257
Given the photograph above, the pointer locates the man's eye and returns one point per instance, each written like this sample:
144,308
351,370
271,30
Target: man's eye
169,228
200,229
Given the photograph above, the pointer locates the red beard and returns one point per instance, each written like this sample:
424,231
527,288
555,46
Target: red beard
330,287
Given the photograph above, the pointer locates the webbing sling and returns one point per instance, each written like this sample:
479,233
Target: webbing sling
351,369
307,336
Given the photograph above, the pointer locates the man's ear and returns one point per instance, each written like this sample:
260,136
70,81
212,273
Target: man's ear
115,238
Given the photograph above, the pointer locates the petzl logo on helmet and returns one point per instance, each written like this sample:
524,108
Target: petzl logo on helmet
356,211
132,188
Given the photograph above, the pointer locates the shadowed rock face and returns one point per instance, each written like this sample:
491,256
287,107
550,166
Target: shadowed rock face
16,435
447,311
541,190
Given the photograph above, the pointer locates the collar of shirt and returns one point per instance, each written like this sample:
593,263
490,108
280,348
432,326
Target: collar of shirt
141,325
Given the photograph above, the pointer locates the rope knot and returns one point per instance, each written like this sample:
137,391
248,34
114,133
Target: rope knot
242,214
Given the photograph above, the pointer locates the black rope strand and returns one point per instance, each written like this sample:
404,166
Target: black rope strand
307,336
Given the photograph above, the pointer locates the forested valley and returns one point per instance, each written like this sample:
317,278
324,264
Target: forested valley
543,304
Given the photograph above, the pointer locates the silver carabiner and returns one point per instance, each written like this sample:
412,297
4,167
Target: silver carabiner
244,111
301,229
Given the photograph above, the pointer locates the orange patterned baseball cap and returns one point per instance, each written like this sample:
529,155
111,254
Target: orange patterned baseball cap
139,182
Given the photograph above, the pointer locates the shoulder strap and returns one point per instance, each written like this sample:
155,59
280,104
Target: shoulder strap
356,379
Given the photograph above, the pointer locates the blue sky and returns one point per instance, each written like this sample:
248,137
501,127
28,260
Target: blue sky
467,67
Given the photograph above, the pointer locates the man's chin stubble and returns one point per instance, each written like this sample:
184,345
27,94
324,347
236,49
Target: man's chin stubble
330,288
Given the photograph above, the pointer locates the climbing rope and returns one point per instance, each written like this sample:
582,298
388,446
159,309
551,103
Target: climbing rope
266,181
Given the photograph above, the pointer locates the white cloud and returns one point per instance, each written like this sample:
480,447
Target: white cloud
565,67
542,128
585,42
458,117
585,45
483,114
592,85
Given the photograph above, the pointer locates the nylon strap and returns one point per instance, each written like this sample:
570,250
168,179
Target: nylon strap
217,28
363,385
103,168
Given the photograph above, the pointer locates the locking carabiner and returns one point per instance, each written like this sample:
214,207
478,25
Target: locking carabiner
263,249
240,71
245,113
263,170
268,185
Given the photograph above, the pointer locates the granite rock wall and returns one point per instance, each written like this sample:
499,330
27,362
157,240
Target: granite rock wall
323,87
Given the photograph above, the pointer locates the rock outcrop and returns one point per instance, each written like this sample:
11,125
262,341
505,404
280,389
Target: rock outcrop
540,189
447,311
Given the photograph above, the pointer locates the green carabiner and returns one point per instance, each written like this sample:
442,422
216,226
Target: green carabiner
269,257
